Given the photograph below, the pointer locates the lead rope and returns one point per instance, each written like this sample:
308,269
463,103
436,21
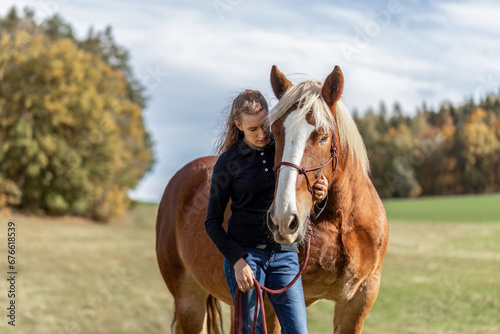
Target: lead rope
259,300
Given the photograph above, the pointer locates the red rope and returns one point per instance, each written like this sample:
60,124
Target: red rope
259,300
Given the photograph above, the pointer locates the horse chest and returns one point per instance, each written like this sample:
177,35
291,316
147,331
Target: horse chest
327,267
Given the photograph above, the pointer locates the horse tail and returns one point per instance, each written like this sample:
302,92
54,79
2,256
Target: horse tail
214,316
172,325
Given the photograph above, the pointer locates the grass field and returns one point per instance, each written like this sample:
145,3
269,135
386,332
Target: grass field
465,208
76,276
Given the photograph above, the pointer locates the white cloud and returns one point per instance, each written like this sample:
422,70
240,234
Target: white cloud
433,52
481,16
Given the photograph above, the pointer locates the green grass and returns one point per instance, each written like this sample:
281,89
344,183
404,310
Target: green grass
436,278
465,208
76,276
439,278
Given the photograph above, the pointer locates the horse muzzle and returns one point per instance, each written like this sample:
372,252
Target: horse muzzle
285,228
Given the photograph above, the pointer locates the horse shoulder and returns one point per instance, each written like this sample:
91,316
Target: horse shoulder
364,235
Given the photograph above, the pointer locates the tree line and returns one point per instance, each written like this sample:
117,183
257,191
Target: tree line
454,149
72,136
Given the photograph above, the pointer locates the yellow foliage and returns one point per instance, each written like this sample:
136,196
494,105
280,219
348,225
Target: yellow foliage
68,127
392,132
480,139
478,115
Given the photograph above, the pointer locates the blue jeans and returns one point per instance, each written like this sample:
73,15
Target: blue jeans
274,270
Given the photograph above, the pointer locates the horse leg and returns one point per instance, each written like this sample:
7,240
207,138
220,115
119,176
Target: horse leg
350,315
190,307
273,325
232,320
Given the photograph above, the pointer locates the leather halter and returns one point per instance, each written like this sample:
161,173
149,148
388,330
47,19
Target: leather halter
303,171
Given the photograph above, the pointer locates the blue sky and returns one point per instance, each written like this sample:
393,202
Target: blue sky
195,56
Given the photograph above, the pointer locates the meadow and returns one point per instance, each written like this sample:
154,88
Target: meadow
440,275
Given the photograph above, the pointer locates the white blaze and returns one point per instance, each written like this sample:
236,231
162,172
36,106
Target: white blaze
296,134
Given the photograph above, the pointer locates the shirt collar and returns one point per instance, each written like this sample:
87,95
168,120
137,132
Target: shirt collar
245,149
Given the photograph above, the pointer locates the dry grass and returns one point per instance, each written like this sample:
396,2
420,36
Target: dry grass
76,276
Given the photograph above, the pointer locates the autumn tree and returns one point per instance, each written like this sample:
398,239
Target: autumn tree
72,137
481,148
448,175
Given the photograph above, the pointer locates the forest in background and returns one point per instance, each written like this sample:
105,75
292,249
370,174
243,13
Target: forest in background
452,150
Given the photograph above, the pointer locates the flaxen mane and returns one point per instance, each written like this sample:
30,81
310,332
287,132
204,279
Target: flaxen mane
307,95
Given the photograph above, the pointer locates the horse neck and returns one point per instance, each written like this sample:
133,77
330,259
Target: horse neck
347,186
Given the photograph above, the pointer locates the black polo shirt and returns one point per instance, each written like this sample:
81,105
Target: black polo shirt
246,176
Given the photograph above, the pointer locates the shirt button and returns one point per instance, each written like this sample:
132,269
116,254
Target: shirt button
263,161
261,153
266,169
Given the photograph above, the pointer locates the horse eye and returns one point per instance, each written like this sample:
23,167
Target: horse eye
324,138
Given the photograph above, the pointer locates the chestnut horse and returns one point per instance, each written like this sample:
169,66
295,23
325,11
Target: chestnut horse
349,238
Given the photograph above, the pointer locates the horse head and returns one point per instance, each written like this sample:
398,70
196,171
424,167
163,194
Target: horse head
303,123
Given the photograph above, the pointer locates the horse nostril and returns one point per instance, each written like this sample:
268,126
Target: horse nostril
294,224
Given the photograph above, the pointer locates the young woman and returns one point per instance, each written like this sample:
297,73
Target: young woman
244,174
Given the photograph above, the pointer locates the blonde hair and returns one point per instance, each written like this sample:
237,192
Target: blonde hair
307,95
249,102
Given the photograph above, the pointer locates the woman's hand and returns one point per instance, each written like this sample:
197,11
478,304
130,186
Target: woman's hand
320,188
244,275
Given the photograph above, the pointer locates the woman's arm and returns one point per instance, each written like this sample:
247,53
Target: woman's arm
220,190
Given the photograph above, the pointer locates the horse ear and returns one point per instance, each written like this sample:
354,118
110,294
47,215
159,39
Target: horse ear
333,86
279,82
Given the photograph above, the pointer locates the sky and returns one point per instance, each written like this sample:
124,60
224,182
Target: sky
195,56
